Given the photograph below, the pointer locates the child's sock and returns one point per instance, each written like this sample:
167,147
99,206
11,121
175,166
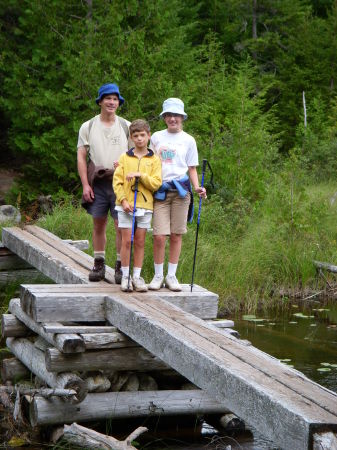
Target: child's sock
172,268
136,272
118,257
159,270
125,271
99,254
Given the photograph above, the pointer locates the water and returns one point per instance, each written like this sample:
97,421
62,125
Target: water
303,337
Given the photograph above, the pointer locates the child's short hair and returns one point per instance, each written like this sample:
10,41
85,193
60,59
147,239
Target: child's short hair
139,125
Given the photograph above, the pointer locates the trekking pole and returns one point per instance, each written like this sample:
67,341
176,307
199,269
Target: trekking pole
133,228
204,163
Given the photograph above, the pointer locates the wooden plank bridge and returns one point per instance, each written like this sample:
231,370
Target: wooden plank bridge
277,400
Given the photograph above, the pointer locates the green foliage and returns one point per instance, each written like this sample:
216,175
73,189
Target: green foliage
55,55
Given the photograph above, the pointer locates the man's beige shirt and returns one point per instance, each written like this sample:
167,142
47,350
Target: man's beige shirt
105,144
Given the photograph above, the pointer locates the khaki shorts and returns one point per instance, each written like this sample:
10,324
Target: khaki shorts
170,215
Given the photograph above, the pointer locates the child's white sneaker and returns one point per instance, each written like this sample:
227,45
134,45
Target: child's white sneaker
139,284
124,284
156,283
172,283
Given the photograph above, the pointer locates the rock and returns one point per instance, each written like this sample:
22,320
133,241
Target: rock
9,213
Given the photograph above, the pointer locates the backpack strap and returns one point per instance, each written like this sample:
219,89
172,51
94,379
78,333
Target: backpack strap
124,126
90,124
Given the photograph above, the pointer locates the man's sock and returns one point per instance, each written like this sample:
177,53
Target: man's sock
125,271
118,257
159,270
136,272
172,269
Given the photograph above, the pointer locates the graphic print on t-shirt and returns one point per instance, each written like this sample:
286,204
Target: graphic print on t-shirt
167,155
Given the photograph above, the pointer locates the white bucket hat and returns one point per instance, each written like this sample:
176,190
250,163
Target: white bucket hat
174,106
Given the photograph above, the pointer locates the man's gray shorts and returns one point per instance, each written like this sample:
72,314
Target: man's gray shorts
104,201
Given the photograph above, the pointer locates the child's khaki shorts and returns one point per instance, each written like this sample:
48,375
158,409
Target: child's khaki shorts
170,215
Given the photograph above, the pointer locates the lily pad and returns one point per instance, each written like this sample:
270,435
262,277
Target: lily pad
324,369
248,317
293,322
303,316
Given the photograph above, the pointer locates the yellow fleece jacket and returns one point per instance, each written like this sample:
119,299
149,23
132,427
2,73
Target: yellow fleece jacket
150,179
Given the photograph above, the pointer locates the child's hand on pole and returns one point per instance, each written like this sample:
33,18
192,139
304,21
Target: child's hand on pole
201,191
130,176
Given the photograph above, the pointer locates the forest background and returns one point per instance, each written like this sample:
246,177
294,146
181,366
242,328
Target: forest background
243,69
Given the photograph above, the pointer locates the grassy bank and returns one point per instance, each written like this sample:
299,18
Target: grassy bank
246,253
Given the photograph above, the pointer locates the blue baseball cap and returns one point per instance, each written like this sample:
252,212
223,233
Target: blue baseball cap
108,89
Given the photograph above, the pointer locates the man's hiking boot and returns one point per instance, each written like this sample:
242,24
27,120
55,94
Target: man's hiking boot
139,284
124,284
156,283
98,271
118,272
172,283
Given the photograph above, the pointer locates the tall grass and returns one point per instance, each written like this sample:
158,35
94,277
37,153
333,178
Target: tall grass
245,255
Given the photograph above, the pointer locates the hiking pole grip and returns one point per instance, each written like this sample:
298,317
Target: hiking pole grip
133,227
204,165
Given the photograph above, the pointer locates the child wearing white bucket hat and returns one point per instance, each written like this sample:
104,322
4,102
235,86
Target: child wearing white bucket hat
179,156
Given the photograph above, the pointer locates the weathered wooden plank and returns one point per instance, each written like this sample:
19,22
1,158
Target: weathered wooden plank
12,327
66,307
63,302
44,257
69,251
10,261
66,343
34,359
258,359
215,363
116,359
12,370
60,328
117,405
107,340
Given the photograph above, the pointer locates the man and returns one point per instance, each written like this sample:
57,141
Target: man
179,156
103,139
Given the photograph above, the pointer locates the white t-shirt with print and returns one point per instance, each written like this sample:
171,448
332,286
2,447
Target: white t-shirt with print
177,151
105,144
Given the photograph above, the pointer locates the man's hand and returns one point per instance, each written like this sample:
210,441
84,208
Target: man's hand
115,164
88,194
126,206
130,176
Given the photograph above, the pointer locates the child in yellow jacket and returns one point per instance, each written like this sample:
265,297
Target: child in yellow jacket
139,162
